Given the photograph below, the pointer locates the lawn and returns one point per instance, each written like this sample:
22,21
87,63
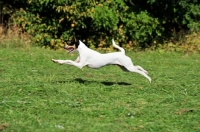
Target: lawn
37,95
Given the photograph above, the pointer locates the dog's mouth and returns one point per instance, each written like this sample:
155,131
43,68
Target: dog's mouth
70,48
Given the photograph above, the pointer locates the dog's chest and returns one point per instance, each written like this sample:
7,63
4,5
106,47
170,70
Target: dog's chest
95,64
91,66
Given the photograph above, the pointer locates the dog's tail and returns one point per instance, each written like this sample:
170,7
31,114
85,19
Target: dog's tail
116,46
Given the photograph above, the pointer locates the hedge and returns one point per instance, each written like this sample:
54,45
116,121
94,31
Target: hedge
132,23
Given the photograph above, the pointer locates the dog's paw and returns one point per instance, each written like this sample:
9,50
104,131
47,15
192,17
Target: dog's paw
53,60
58,61
150,80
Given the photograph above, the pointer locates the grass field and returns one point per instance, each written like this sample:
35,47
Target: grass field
37,95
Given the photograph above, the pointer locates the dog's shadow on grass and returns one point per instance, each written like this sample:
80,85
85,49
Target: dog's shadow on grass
80,80
106,83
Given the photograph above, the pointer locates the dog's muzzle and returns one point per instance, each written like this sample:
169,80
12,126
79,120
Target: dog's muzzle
70,48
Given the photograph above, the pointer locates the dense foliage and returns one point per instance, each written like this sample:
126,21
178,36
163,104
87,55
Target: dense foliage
131,23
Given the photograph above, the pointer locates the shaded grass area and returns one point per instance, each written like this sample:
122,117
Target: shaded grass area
38,95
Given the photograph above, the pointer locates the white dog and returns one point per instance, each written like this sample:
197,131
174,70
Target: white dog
94,59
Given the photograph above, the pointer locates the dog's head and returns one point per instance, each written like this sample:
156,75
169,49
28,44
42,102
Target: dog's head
72,46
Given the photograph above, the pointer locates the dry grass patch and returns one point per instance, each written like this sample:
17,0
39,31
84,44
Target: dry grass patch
188,43
13,37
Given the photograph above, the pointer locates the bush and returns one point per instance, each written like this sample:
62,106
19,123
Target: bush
131,23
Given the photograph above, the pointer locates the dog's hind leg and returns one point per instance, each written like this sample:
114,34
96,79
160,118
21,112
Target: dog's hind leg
127,63
140,72
123,68
141,69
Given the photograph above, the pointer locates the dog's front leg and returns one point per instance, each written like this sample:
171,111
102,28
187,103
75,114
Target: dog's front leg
60,61
77,64
70,62
77,59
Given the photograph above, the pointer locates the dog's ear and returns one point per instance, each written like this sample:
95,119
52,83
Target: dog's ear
75,39
74,42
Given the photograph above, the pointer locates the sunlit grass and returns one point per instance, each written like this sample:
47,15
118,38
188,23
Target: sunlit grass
38,95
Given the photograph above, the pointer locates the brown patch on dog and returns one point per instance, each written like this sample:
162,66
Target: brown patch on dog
70,48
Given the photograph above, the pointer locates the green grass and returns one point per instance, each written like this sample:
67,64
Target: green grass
40,96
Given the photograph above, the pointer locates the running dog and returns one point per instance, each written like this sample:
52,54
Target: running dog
94,59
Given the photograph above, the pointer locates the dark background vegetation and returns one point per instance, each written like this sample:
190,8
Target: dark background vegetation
133,23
